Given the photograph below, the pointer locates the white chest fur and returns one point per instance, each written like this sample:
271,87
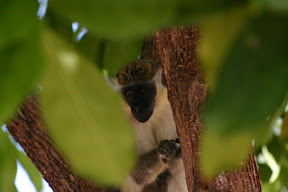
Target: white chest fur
148,135
159,127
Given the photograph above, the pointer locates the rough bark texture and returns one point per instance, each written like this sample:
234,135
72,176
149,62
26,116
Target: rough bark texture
149,50
177,50
29,131
186,92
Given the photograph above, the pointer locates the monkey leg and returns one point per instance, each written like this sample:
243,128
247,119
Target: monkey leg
153,163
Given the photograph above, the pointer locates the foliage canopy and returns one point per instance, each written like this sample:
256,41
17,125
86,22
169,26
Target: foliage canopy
243,51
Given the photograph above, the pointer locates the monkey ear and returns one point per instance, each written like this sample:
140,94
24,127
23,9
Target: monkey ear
113,82
159,78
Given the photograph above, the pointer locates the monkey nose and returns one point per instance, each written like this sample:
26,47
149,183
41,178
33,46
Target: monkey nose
136,109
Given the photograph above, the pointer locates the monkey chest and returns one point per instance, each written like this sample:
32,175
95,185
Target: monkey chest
149,138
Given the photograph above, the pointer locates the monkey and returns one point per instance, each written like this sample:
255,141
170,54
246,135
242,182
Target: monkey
159,165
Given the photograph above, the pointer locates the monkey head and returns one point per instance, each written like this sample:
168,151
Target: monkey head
139,87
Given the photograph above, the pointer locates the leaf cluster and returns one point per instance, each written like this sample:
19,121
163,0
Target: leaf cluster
243,51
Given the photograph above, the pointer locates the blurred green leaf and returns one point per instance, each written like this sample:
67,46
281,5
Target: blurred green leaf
17,20
226,152
253,79
20,53
21,67
284,128
32,171
119,53
7,164
271,187
273,5
109,55
251,84
277,148
217,40
284,170
84,116
264,172
129,18
90,46
279,158
115,19
191,12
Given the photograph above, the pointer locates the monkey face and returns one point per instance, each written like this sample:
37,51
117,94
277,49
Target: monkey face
141,99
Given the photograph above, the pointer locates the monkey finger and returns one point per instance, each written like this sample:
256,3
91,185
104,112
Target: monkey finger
179,153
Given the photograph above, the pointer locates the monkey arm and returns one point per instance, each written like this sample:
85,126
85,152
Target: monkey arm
152,170
153,163
148,167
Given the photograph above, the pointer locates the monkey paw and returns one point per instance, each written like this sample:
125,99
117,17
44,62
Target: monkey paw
168,149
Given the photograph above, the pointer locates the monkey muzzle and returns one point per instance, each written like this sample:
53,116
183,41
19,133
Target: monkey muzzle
142,114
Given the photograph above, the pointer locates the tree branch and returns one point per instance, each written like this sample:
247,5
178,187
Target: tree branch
29,131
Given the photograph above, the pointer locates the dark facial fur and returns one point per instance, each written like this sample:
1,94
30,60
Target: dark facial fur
141,99
138,90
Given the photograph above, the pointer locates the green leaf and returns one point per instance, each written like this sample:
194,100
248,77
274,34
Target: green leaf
253,79
17,20
251,84
284,170
277,148
109,55
7,164
84,116
113,18
226,152
32,171
284,128
264,172
191,12
128,18
269,187
279,6
21,66
20,54
216,42
119,53
90,46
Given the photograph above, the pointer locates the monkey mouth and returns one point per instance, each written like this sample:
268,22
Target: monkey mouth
143,117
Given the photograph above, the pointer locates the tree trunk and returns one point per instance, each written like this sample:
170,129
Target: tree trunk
176,49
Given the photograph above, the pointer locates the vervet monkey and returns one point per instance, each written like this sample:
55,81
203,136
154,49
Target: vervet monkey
159,166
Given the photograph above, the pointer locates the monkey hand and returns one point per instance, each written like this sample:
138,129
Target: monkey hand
169,149
179,153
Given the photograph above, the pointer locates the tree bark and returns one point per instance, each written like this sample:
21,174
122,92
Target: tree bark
177,50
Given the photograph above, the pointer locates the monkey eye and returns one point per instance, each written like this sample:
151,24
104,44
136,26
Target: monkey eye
129,92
